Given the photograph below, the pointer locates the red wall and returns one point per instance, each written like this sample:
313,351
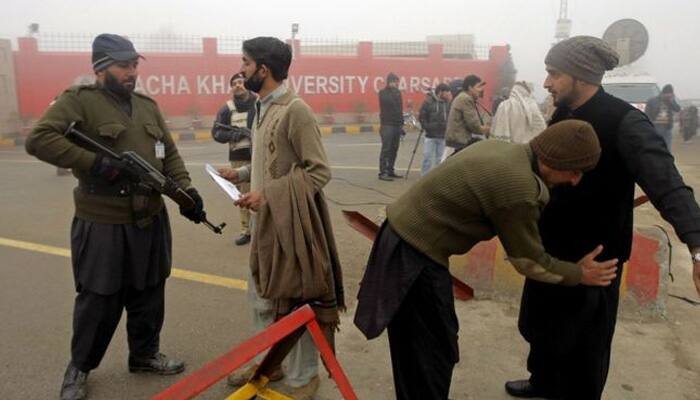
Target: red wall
181,83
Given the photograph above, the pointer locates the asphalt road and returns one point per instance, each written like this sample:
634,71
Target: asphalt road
206,311
203,320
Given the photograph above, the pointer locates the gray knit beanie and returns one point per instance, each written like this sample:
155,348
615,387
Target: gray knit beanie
583,57
569,145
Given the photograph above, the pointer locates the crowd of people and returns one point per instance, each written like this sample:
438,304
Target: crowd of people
449,125
558,195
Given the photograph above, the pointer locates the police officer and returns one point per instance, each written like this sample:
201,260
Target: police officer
239,112
121,248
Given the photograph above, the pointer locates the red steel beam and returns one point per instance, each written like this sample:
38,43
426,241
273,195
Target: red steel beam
331,362
203,378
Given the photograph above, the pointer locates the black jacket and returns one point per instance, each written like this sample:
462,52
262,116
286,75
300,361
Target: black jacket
433,116
390,107
224,117
599,209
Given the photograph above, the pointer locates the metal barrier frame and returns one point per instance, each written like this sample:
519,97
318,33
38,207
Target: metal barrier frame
203,378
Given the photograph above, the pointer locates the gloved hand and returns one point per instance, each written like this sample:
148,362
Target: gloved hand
222,135
239,134
110,169
196,213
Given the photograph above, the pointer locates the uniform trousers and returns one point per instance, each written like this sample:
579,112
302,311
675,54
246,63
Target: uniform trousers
118,267
95,318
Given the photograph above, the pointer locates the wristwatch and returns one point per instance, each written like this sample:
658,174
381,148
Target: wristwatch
695,257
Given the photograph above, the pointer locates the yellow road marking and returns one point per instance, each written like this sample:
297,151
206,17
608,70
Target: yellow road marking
39,248
176,272
209,279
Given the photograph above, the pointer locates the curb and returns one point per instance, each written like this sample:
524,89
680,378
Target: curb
11,142
201,135
205,134
643,289
349,129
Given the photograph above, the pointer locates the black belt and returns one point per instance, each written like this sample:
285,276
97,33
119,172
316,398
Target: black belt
116,190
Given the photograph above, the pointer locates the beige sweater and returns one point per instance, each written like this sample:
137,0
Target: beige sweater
464,120
287,133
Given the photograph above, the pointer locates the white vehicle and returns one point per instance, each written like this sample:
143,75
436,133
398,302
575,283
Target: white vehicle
633,88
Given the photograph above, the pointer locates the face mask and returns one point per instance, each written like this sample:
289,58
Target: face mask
254,83
113,85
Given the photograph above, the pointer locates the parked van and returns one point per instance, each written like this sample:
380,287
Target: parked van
633,88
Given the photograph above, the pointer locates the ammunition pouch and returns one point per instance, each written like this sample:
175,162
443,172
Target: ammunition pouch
139,193
122,189
140,196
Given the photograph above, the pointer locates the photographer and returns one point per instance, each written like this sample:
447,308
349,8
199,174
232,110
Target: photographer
467,124
232,125
433,119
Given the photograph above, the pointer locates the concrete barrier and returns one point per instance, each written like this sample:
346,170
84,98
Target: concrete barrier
643,289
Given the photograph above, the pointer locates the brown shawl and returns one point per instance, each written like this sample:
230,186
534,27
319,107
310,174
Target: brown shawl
294,260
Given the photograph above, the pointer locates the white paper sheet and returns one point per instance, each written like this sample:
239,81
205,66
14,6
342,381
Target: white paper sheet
229,188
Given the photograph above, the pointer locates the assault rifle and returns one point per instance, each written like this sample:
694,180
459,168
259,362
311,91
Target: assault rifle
237,132
146,174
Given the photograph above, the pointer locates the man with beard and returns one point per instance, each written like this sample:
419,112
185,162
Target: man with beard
467,124
120,237
293,254
570,330
232,126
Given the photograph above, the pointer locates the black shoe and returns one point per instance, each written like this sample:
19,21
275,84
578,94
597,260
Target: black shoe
385,177
74,384
524,390
158,364
395,175
243,239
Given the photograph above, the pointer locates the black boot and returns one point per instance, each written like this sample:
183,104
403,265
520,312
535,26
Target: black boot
158,364
524,389
74,384
244,238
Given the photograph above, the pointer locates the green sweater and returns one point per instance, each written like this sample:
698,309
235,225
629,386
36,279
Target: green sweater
488,189
99,117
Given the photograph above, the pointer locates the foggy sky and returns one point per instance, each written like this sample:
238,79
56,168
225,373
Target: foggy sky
528,26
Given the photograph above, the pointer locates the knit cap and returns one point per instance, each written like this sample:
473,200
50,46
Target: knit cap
108,49
569,145
583,57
